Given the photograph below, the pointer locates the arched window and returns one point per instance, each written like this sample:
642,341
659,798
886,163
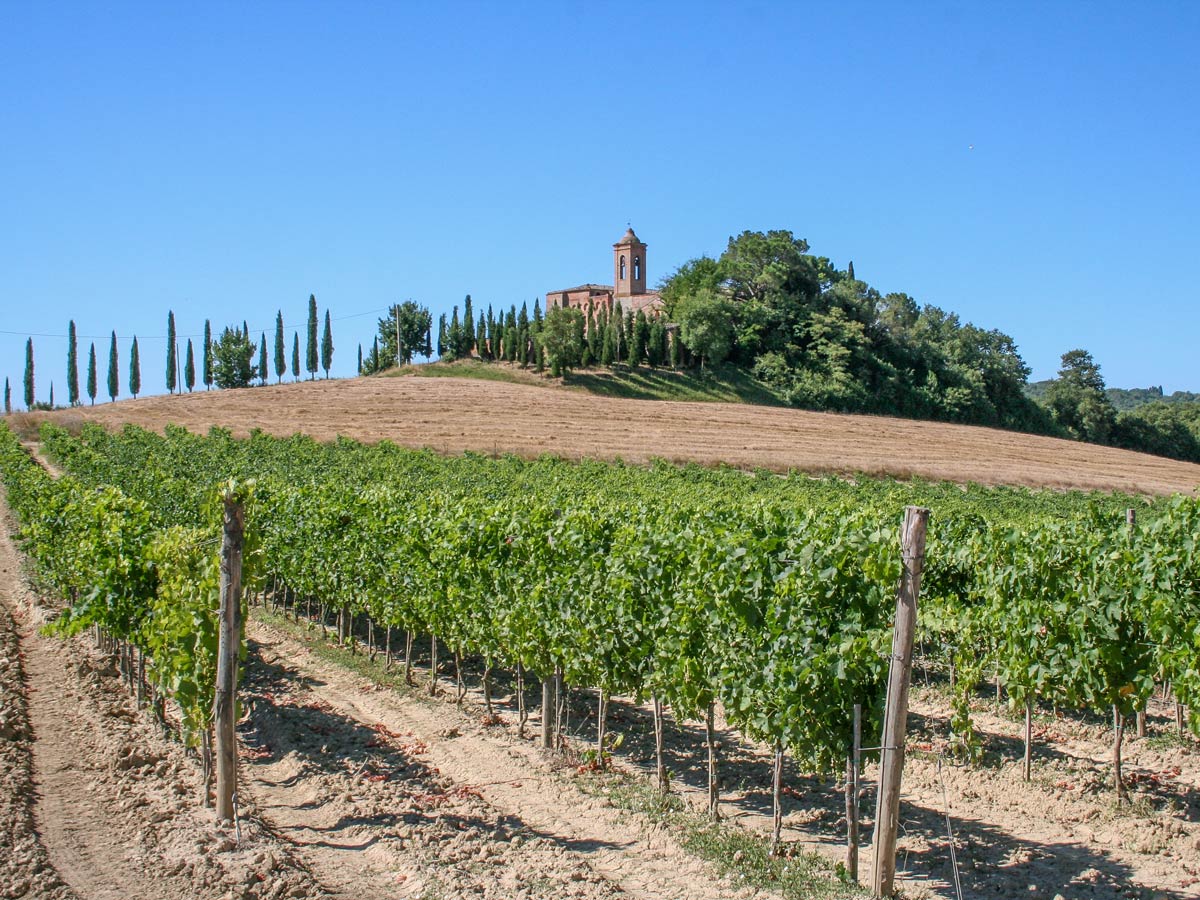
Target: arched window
622,268
637,268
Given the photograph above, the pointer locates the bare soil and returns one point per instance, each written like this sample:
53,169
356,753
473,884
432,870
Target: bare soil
1059,834
451,415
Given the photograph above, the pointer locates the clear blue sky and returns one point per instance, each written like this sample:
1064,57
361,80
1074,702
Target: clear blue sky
226,161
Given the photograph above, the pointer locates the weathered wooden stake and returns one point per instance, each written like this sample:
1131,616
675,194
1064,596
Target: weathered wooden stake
1028,737
891,763
660,766
229,643
777,801
548,712
1118,737
714,786
853,764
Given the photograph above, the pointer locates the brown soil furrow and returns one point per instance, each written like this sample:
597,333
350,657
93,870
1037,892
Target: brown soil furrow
511,778
451,415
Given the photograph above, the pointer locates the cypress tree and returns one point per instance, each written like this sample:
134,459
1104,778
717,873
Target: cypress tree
493,338
72,366
7,397
29,373
606,346
295,356
135,370
638,339
622,346
850,271
523,347
114,377
207,373
468,327
541,357
245,330
189,367
441,344
455,337
593,335
428,351
327,346
654,349
375,354
360,359
280,349
537,314
91,375
673,340
52,395
263,371
310,350
171,352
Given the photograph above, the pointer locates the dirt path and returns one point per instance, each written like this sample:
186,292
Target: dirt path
524,802
96,804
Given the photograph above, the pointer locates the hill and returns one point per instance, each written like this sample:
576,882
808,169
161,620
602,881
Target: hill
1122,399
451,415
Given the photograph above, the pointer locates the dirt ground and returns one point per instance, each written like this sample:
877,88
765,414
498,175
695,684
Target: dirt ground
1061,834
451,415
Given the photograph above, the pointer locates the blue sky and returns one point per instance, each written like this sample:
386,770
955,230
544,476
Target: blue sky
1029,166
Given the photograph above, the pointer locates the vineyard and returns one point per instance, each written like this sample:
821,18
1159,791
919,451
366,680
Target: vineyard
757,600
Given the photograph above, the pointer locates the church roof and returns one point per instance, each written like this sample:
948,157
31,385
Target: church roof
628,238
594,288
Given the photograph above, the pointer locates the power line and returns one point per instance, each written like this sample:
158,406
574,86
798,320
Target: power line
163,337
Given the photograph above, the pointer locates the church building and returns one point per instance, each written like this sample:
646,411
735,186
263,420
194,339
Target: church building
629,273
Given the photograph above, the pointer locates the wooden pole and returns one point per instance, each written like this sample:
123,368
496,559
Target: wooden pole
548,712
229,643
891,763
852,770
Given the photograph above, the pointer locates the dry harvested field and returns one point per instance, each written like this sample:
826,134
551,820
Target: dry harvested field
451,415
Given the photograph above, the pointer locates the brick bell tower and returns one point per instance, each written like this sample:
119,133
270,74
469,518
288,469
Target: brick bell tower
629,265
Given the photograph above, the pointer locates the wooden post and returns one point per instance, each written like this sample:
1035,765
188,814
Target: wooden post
1027,770
548,706
229,643
891,762
853,763
714,786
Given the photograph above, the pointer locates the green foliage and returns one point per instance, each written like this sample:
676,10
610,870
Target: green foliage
91,375
189,367
72,365
171,352
114,382
135,370
706,325
262,358
233,356
295,355
560,338
326,346
29,397
413,322
310,347
280,349
1077,399
207,358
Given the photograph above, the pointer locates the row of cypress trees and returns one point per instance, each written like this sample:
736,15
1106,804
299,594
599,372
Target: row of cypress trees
316,355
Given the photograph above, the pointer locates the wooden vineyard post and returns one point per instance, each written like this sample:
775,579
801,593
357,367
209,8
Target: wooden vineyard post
853,767
895,716
229,643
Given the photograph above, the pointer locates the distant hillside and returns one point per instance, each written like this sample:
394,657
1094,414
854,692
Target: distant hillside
1123,399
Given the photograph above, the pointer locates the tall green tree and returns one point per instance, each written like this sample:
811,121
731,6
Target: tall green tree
441,341
280,349
706,325
91,375
51,404
468,326
207,358
1078,401
327,346
172,364
263,372
72,366
233,357
310,350
360,359
189,367
454,336
7,397
295,356
135,370
560,336
29,373
481,338
114,372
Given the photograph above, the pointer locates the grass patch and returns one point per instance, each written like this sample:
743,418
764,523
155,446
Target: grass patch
722,384
743,856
